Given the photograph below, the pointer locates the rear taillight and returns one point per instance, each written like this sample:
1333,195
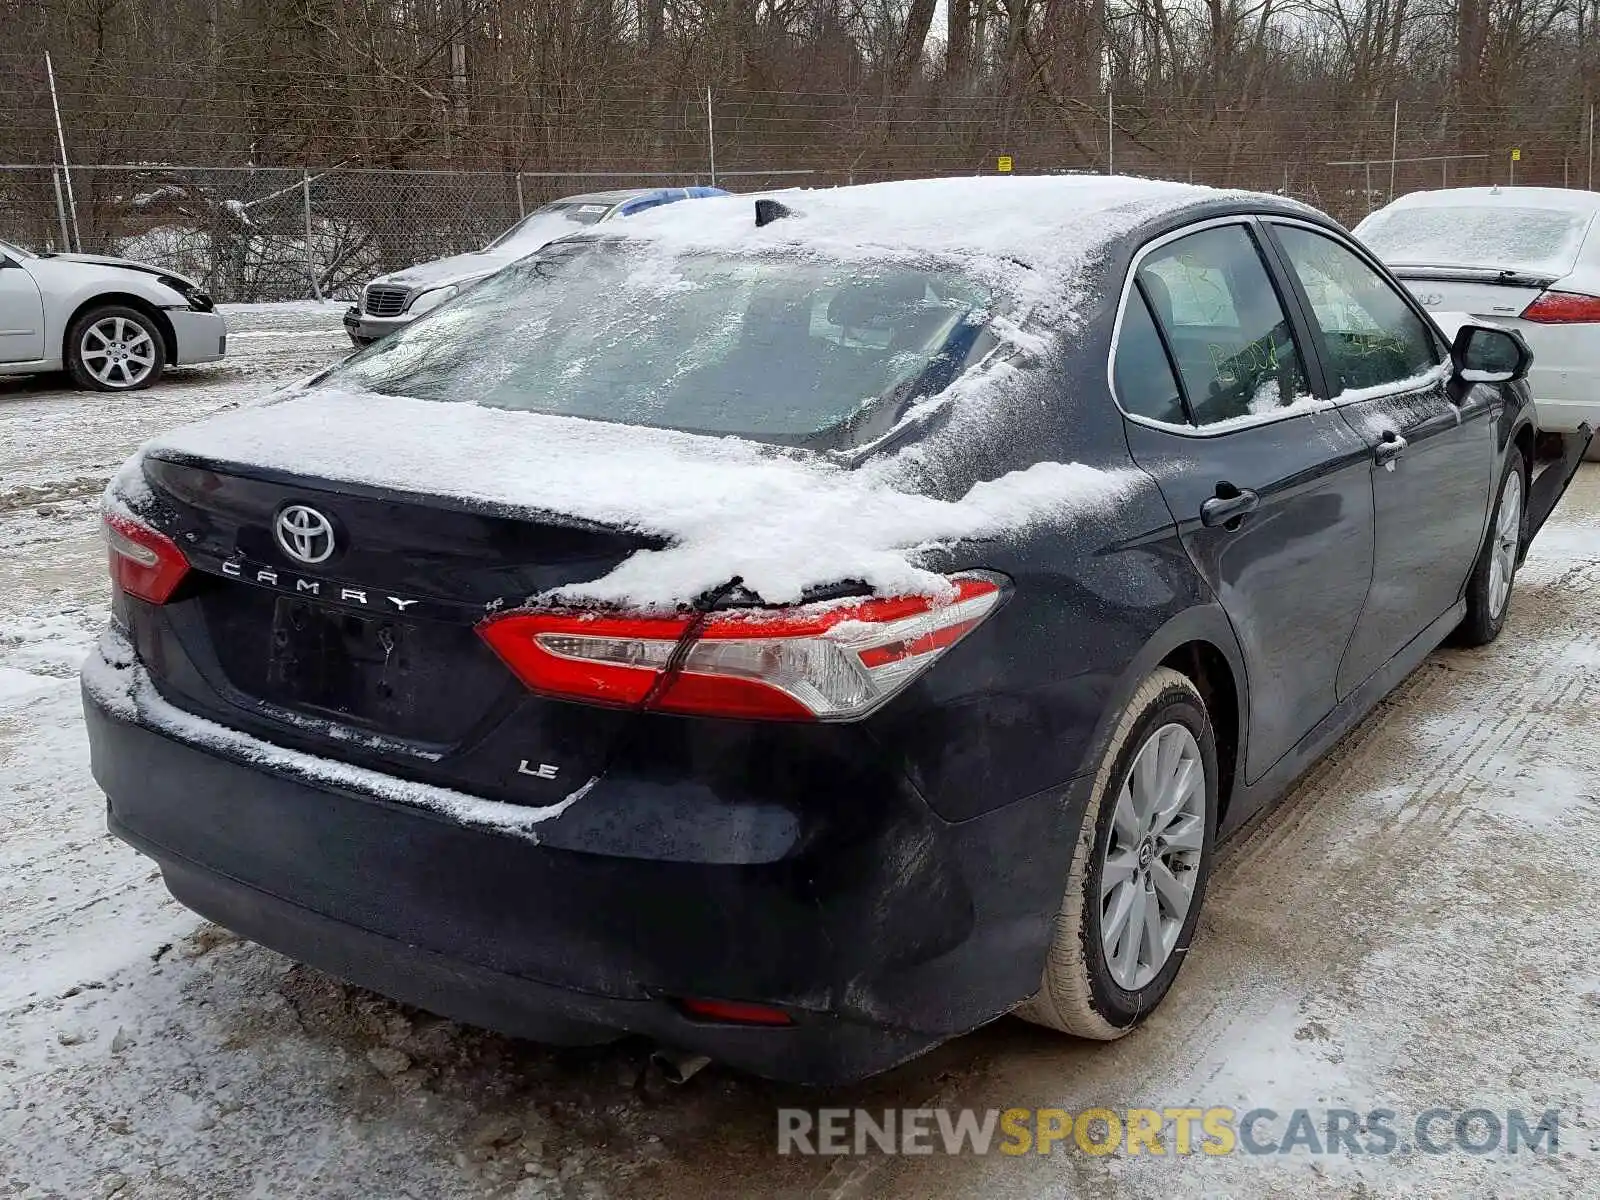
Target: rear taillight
827,662
1563,308
144,563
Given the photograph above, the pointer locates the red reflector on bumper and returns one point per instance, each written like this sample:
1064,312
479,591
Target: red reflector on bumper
735,1012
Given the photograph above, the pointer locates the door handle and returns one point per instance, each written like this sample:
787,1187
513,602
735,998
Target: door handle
1389,450
1228,505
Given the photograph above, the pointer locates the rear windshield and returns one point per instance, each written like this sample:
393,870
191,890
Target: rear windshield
772,347
550,222
1540,240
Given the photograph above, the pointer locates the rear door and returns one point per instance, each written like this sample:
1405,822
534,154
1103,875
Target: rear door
1271,490
1433,446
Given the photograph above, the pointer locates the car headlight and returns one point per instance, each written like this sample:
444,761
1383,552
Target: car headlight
196,299
431,300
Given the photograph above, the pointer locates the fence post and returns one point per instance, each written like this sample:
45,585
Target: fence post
1394,150
711,138
521,211
61,208
311,257
66,171
1111,135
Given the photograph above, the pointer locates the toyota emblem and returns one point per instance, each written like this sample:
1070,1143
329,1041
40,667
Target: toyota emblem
304,534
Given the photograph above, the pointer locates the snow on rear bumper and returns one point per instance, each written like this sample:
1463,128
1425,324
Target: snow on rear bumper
892,937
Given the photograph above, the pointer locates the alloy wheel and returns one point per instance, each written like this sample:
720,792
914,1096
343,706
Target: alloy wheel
118,352
1503,549
1152,856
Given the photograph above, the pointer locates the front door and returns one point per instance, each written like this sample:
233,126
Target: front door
1271,492
21,315
1433,451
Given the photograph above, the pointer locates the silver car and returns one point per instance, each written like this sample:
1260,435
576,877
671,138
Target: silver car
393,301
112,324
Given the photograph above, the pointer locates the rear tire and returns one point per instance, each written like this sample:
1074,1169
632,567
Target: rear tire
1099,987
1489,588
114,348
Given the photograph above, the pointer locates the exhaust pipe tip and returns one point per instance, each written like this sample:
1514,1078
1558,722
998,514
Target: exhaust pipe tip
677,1066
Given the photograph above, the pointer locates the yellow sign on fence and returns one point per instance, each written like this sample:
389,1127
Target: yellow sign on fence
1003,164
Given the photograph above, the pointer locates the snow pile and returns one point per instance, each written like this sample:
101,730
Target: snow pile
724,506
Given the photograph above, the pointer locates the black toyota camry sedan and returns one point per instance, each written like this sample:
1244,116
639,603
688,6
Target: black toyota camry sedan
801,631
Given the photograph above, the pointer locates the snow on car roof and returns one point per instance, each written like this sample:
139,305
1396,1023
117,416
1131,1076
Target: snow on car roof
614,196
1564,199
1027,234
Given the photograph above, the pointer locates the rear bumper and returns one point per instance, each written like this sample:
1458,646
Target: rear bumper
1567,416
879,939
202,337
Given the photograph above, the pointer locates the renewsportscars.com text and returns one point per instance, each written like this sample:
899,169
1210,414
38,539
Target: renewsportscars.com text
1165,1131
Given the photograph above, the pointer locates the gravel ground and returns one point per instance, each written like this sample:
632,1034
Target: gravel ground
1406,931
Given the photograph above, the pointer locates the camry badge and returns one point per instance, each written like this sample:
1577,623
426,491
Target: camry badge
304,534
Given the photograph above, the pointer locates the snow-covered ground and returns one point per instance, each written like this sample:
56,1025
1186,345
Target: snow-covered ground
1411,929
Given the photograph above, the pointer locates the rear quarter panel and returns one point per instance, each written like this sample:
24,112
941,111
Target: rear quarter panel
1023,703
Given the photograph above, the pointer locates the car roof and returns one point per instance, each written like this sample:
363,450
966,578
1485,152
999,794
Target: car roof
614,196
622,195
1566,199
1039,220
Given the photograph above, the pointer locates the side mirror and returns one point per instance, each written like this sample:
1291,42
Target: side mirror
1489,354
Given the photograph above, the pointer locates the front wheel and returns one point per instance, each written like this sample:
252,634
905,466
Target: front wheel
114,348
1139,869
1489,588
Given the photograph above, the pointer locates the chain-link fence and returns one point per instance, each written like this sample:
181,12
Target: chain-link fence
252,234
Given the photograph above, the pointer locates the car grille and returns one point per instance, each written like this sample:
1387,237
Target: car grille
386,301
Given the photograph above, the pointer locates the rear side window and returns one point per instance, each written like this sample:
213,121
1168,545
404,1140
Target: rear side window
1141,373
1371,337
1235,351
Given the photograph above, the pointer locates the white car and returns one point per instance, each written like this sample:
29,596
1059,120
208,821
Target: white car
393,301
112,324
1527,258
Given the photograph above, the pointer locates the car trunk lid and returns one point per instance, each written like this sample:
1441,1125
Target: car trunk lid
1479,292
370,654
